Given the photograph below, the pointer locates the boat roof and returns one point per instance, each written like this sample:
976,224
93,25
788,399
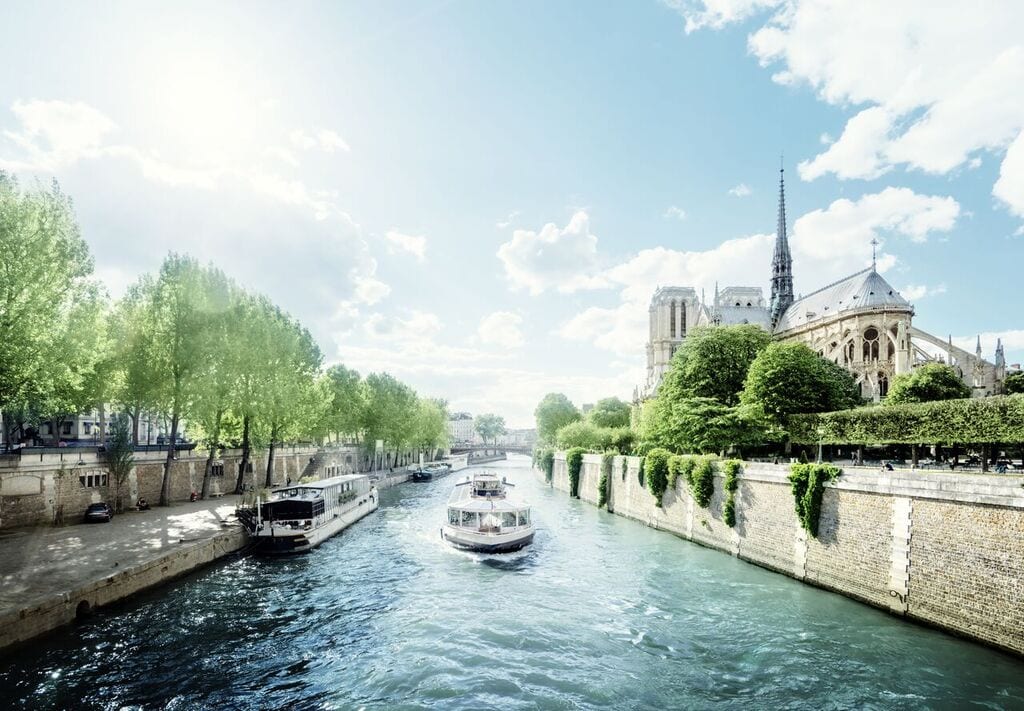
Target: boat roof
462,498
322,483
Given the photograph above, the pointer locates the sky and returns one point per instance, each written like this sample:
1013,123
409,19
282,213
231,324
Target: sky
481,197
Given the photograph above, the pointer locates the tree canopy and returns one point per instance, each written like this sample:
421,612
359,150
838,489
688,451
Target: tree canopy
789,378
609,412
931,381
1015,383
489,426
554,412
712,362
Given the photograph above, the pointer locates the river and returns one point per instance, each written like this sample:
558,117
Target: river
600,612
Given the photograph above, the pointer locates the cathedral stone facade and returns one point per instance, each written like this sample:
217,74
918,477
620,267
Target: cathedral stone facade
860,322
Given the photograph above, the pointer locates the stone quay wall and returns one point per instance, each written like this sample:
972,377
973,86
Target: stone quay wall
943,549
41,488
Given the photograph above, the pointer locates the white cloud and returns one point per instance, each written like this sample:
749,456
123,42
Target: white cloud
501,328
1013,343
284,155
916,292
741,190
827,244
502,224
938,82
56,133
418,326
564,259
675,212
412,244
330,141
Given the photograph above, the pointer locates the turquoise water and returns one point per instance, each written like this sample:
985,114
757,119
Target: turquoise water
600,613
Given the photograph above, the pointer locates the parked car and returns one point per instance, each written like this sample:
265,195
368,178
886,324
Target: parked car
99,513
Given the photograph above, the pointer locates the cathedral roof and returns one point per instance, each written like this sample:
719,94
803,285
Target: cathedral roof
865,290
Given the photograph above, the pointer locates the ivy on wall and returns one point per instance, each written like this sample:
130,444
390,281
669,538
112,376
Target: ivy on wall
680,466
656,472
970,421
702,481
732,483
808,485
574,463
606,474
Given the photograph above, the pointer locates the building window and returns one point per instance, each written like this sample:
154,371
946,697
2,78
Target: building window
92,480
672,318
871,343
682,319
87,426
217,469
883,385
66,428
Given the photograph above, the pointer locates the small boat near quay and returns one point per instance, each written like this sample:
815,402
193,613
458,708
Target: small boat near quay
299,517
482,517
428,473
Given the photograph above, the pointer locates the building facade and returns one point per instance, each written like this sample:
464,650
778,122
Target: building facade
860,322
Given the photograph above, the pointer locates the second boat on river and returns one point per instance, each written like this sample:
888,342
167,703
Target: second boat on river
482,518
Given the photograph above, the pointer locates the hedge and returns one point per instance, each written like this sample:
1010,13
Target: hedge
969,421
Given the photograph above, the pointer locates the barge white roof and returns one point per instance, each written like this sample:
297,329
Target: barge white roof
462,498
321,483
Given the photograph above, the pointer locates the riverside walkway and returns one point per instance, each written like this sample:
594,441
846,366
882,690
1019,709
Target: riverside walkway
46,574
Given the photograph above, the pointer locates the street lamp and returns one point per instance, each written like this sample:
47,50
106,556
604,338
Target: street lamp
821,435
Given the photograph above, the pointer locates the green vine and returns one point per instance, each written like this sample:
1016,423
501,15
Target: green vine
680,467
656,472
606,473
640,471
808,484
574,463
702,481
732,483
625,467
546,462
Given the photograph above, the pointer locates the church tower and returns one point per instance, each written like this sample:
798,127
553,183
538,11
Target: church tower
782,261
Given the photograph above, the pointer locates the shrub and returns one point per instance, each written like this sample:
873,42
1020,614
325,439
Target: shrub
574,463
732,483
702,481
595,439
546,461
808,486
656,472
606,474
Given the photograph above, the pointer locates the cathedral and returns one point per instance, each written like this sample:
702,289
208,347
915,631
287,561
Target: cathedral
860,322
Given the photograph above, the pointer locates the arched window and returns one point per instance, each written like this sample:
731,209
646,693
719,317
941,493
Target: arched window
871,343
682,318
672,319
883,385
848,353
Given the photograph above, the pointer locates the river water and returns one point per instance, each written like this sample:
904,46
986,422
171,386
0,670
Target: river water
600,612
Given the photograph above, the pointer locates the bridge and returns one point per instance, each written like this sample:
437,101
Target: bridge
480,452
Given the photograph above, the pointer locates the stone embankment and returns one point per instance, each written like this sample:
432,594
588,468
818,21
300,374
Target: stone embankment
53,575
944,549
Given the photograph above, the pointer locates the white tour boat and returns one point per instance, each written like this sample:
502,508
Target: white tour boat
299,517
482,518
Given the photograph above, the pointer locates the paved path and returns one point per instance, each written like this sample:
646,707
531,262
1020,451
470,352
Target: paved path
36,563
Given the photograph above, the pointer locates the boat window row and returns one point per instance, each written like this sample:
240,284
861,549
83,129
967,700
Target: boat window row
488,519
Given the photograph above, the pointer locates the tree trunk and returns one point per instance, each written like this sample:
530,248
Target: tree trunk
860,455
243,464
165,487
913,455
135,415
270,457
213,454
103,425
984,457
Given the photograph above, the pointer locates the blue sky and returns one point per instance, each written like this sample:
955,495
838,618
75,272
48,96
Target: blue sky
481,197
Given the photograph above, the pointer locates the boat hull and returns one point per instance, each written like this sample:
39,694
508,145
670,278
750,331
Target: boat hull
281,541
487,542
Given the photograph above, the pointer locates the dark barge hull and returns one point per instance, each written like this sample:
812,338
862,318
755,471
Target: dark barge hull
496,548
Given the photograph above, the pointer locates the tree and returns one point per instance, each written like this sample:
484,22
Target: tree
610,412
489,427
931,381
390,412
790,378
595,439
712,362
346,402
45,279
553,413
1014,383
431,431
120,455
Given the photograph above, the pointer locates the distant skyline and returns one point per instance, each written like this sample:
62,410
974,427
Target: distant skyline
480,198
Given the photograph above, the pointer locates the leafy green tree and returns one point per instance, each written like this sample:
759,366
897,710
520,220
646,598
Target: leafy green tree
553,413
931,381
489,427
344,416
610,412
390,413
712,362
431,430
790,378
1014,383
45,279
120,456
595,439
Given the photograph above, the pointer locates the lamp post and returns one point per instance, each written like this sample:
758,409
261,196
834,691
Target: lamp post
821,435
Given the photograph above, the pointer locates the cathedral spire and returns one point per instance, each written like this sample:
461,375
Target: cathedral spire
782,260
